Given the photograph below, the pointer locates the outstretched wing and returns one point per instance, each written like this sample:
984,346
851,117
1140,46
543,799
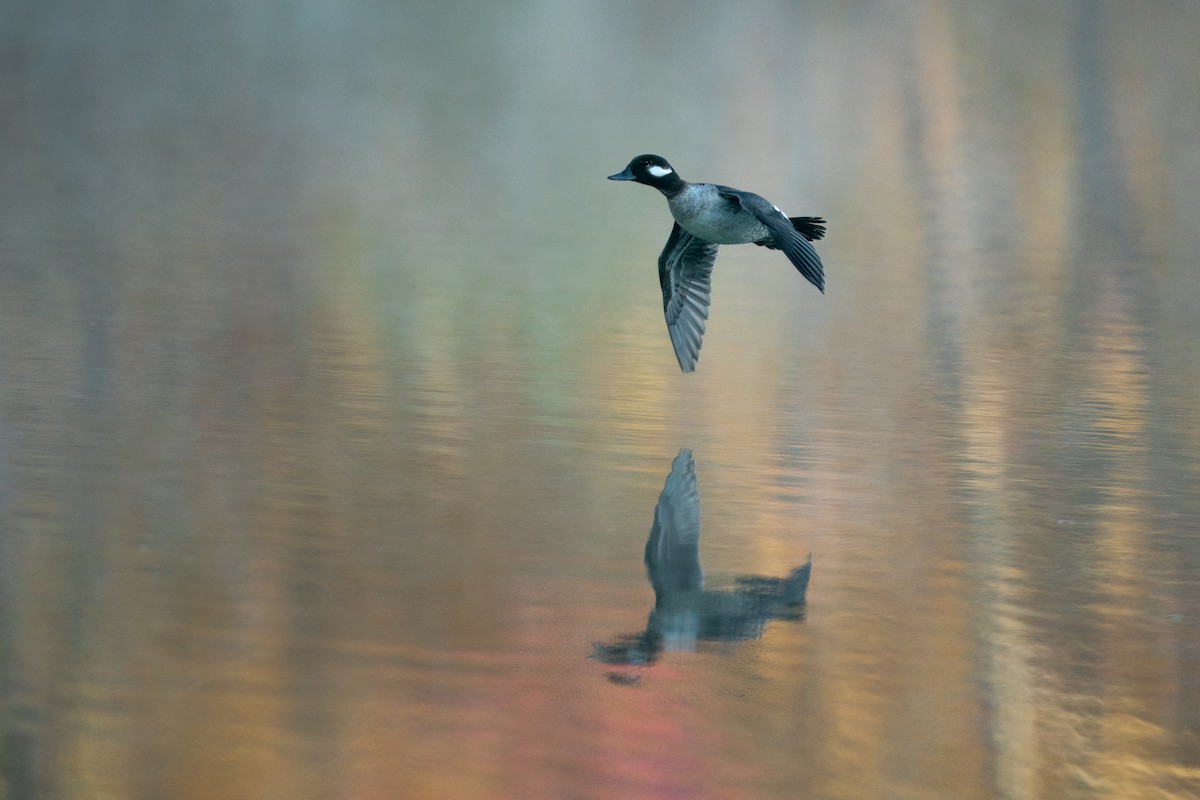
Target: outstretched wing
685,273
784,234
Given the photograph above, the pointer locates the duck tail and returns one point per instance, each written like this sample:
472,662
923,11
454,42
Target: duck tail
811,228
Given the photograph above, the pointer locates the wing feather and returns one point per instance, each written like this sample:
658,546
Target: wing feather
685,274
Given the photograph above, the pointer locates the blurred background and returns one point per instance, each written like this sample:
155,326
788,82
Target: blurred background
336,399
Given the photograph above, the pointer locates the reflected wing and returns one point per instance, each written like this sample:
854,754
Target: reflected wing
673,549
784,235
685,274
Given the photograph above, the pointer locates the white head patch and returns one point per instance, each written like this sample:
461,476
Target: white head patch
657,171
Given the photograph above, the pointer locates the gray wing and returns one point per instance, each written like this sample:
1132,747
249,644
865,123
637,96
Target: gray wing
783,235
685,274
673,549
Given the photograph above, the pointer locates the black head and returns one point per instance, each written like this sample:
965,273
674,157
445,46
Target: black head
652,171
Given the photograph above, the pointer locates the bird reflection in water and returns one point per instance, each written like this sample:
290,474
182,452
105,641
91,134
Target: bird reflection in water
686,614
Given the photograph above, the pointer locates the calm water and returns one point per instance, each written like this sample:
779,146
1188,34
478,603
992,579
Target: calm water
337,403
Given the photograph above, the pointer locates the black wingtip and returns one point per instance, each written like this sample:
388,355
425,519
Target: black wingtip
809,265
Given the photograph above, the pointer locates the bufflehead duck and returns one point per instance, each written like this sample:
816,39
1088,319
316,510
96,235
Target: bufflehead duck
707,215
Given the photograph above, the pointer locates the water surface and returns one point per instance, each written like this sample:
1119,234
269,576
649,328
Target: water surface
337,401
